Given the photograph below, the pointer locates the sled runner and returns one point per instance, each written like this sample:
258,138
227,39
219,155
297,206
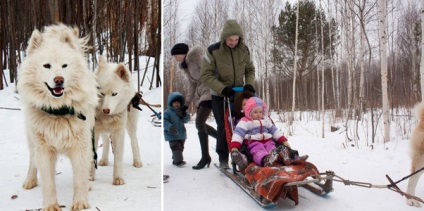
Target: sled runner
266,185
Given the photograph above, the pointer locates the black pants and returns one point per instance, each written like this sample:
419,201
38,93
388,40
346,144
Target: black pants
177,148
218,113
201,117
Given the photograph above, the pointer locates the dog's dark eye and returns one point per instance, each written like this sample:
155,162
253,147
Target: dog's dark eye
102,94
64,66
46,66
114,94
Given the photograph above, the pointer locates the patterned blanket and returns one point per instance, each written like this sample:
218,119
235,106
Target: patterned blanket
269,181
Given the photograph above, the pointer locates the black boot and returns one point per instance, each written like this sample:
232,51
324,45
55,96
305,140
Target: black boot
211,131
204,146
223,161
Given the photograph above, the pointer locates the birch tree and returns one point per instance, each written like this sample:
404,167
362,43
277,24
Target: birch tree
383,61
322,68
171,30
264,14
291,119
333,76
361,8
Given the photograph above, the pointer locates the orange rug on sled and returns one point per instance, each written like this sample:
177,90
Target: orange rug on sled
269,181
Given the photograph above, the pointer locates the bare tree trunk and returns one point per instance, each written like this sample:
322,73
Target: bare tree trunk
383,57
135,41
12,45
291,119
331,58
322,69
352,49
338,110
349,54
93,34
158,41
318,63
171,29
422,52
54,11
362,60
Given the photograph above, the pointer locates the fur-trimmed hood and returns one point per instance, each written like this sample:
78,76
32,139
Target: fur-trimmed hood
173,96
231,27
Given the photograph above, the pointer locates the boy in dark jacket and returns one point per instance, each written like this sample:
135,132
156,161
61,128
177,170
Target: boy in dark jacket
174,130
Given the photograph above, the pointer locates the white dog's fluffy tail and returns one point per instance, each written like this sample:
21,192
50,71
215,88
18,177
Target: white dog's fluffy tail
419,112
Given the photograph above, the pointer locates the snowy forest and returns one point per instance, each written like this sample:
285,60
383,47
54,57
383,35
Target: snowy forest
123,31
349,58
118,29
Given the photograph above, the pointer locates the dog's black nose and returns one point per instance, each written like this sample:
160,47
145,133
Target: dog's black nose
58,80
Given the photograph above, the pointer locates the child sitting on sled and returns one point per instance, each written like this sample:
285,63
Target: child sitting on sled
175,116
259,132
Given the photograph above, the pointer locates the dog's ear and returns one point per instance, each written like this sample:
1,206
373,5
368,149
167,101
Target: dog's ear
34,41
66,38
76,31
122,72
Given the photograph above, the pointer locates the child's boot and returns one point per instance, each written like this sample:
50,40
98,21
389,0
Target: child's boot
284,154
239,159
271,158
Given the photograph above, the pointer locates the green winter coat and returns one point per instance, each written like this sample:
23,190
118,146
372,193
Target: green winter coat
223,66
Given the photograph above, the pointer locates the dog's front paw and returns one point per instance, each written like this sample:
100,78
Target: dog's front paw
29,183
103,162
413,202
80,205
137,164
92,175
118,181
52,207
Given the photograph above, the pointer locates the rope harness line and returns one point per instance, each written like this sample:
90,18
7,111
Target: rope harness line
392,186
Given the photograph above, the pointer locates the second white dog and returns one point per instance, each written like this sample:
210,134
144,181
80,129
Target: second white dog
114,114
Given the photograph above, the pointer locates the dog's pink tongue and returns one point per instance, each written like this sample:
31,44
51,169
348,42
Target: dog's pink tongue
58,90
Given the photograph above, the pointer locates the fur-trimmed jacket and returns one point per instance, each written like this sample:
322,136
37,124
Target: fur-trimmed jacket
198,91
224,66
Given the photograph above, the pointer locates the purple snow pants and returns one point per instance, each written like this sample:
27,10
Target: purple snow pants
259,150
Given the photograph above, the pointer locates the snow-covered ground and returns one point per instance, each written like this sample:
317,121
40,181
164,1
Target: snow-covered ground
208,189
142,190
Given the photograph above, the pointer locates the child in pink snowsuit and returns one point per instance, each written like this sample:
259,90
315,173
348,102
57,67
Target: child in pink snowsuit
260,133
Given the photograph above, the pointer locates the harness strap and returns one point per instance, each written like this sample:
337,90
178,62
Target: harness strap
62,111
94,148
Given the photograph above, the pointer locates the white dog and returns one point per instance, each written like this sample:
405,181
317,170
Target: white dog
114,114
59,93
417,154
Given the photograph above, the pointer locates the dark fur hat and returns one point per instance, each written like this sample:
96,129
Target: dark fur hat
179,48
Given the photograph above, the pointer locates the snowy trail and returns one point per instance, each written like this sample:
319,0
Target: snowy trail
208,189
